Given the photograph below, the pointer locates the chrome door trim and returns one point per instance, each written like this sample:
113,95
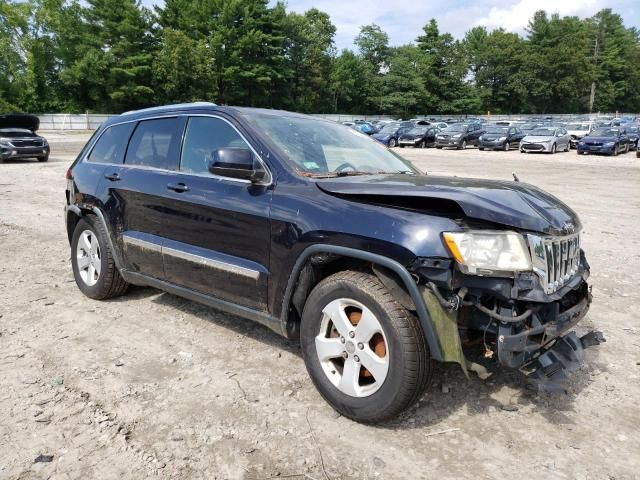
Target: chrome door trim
212,263
134,239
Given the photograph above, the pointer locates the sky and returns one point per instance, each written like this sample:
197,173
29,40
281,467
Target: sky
403,19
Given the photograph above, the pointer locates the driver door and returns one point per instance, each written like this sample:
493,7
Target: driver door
217,235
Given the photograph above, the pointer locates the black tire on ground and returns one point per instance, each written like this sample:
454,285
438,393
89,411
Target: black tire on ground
401,146
481,148
422,144
409,359
462,145
553,148
507,146
615,151
110,284
626,148
392,143
43,159
439,148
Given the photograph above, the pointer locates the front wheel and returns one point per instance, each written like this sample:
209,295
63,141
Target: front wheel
44,158
94,268
507,146
366,354
422,144
392,143
463,145
553,148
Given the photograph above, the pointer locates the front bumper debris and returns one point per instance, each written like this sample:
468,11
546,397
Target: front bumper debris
550,370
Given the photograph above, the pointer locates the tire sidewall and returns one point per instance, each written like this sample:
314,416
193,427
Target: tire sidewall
381,399
91,291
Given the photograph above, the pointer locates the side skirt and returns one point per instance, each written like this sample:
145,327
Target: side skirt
262,318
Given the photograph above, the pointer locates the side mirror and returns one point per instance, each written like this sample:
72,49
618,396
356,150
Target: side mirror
235,163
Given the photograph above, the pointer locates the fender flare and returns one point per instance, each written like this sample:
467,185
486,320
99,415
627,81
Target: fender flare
406,278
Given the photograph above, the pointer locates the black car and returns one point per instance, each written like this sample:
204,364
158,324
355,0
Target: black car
419,137
459,135
18,138
607,140
500,138
326,237
633,134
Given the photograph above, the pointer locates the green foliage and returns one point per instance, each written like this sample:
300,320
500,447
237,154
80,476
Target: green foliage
115,55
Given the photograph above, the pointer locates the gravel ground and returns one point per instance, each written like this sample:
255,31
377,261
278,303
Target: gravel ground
153,385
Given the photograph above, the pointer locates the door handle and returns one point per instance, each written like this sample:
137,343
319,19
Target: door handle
113,177
178,187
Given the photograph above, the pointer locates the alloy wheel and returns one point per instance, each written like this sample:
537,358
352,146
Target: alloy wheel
352,348
88,257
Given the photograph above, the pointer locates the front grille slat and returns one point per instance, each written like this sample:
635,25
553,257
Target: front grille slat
559,260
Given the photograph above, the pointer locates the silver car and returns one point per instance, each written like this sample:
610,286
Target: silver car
546,139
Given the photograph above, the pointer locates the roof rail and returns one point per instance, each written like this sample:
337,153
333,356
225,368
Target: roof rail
175,106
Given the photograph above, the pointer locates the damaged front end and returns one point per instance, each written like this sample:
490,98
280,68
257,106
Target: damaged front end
522,318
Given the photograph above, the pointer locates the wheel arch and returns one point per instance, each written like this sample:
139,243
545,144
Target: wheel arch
333,258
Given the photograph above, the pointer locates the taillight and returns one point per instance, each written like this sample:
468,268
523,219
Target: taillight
68,175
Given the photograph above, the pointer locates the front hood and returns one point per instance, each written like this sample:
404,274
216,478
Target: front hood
599,139
513,204
18,120
379,136
493,136
537,138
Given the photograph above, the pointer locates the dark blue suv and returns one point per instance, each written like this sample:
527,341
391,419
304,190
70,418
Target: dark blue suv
324,235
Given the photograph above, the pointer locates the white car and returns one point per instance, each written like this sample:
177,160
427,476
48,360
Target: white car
577,130
546,139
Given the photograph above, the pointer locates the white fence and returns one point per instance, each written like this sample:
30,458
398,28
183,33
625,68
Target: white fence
91,121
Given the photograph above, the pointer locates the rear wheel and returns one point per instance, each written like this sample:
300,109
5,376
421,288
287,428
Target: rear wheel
365,353
94,268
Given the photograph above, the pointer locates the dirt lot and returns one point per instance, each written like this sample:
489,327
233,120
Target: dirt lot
153,385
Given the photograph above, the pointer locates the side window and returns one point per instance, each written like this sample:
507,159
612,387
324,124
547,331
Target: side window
203,136
153,143
112,144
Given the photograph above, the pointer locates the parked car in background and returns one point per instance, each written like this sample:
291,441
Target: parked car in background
390,133
578,130
607,140
18,138
329,240
503,138
364,127
421,136
633,133
459,135
546,139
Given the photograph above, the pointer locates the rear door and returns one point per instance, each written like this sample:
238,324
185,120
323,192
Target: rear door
136,192
217,229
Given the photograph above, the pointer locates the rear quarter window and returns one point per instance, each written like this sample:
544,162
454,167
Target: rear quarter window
112,144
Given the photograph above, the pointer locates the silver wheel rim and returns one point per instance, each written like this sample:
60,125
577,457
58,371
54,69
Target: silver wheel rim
355,358
88,257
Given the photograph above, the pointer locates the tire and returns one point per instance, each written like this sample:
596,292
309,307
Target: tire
43,159
408,361
422,144
626,148
462,145
401,146
553,149
615,151
107,283
506,147
481,149
568,147
392,143
439,148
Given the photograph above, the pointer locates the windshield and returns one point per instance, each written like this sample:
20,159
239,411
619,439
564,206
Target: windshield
320,148
456,128
632,129
418,131
577,126
543,132
604,132
496,130
389,129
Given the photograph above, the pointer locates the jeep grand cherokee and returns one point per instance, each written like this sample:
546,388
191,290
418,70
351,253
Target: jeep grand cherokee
324,235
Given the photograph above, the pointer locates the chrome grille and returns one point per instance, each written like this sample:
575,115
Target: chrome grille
555,259
26,143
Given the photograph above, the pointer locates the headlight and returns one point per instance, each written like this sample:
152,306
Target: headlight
502,139
487,252
456,136
609,144
480,138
